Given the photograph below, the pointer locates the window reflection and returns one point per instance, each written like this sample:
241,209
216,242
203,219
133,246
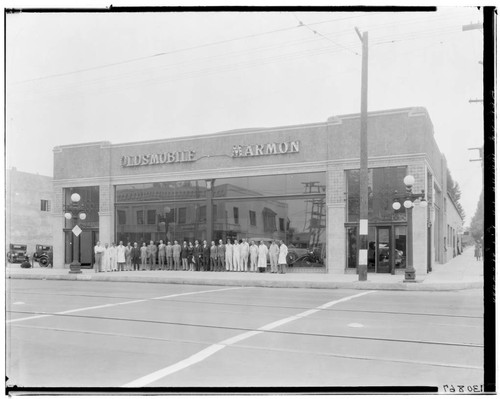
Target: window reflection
276,185
382,182
286,207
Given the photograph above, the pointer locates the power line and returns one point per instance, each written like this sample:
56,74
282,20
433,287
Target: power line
325,37
176,51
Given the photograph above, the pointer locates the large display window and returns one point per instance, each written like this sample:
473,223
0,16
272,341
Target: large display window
286,207
382,182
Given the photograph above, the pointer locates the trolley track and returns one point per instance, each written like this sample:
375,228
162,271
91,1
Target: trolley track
241,329
259,347
246,304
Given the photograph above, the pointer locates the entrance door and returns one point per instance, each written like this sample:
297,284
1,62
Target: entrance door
383,250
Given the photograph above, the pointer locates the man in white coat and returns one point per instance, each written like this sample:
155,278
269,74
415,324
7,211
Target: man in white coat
282,257
112,257
236,256
262,257
229,256
120,257
274,251
244,251
106,259
254,254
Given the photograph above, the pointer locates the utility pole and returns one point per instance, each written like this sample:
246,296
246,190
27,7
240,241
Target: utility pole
363,167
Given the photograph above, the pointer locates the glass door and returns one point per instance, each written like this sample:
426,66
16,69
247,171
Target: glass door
383,250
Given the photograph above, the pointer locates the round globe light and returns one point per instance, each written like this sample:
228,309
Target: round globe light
423,203
75,197
396,205
409,180
167,209
408,204
82,215
67,215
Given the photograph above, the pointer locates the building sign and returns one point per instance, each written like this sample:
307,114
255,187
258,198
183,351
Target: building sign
155,159
256,150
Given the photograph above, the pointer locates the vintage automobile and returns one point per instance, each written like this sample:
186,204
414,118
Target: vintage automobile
17,253
43,255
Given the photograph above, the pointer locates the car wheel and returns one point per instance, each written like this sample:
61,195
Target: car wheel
43,261
291,257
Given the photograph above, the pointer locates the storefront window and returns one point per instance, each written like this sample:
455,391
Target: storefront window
382,182
287,207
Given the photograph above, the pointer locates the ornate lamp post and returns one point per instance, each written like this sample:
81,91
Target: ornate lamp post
75,211
409,201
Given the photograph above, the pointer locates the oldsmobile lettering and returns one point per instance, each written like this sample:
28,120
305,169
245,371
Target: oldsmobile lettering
156,159
256,150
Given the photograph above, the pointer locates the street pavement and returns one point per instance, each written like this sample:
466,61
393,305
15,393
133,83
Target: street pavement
462,272
138,335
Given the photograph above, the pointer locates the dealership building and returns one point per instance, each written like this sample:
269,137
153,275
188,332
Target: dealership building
299,184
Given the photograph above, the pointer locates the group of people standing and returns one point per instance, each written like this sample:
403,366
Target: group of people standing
237,256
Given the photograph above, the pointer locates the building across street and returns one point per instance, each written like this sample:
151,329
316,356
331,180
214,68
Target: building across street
295,184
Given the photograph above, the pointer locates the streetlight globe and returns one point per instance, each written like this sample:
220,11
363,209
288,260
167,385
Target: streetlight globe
396,205
82,215
409,180
75,197
423,203
408,204
67,215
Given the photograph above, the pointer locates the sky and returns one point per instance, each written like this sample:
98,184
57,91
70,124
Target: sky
126,77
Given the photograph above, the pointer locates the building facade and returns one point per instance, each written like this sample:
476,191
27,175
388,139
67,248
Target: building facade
28,209
296,183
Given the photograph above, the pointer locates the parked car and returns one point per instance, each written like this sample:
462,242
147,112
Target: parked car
18,253
43,255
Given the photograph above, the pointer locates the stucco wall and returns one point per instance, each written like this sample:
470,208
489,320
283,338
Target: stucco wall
26,223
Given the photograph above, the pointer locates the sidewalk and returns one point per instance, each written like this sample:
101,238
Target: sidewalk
462,272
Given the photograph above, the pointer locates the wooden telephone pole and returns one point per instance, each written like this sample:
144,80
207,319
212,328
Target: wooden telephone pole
363,172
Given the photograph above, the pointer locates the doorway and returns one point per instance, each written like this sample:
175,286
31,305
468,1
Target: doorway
383,250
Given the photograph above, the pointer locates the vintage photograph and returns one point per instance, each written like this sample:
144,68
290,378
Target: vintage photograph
245,199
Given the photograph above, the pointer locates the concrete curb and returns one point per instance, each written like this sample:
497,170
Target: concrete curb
356,285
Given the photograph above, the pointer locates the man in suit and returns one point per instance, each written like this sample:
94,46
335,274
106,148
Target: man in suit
206,256
170,257
135,256
213,257
161,255
198,256
151,252
176,253
221,252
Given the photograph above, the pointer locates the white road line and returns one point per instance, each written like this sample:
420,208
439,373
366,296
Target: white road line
209,351
121,303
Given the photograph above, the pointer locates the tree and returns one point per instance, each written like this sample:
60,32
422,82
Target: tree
477,222
455,193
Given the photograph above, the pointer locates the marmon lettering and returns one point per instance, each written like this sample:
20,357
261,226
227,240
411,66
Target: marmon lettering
156,159
254,150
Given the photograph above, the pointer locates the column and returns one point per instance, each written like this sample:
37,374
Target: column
106,213
335,202
57,225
